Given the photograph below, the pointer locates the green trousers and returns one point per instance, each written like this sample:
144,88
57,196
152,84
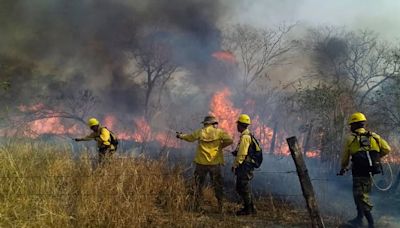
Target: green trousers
244,174
361,188
200,175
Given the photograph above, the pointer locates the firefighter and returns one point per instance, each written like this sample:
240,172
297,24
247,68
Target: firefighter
106,142
356,146
242,167
209,157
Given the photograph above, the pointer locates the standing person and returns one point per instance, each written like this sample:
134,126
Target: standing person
106,140
209,157
244,165
365,149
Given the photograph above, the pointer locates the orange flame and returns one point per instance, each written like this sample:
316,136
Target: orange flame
222,108
313,154
143,130
225,56
52,125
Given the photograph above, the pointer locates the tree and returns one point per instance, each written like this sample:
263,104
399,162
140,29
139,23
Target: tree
355,62
75,107
154,60
323,108
256,50
385,106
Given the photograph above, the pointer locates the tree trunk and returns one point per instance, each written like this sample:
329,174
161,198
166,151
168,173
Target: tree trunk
306,145
273,140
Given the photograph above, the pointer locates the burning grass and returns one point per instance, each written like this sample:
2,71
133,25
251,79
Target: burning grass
47,186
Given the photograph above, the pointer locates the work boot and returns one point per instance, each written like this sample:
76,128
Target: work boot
244,211
370,219
247,210
253,209
357,221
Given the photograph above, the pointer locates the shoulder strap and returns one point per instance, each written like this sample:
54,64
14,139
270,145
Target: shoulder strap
255,142
375,138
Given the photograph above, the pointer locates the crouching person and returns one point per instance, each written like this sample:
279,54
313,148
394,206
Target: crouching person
106,141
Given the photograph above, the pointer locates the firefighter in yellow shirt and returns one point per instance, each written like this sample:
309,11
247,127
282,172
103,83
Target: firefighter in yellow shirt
209,157
365,150
103,137
243,165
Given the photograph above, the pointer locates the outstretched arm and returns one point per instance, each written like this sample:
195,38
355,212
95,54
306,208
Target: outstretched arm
226,139
86,138
189,137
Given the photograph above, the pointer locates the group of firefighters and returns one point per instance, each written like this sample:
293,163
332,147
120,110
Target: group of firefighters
361,147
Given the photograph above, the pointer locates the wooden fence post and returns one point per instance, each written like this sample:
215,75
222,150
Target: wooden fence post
305,182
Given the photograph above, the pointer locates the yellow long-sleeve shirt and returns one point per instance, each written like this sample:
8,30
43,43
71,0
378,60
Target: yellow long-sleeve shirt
242,148
211,141
352,146
102,137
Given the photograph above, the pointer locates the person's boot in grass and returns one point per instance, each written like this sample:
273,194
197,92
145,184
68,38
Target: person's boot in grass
244,211
248,209
357,221
253,209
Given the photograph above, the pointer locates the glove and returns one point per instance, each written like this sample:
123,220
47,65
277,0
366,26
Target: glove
178,135
234,153
341,172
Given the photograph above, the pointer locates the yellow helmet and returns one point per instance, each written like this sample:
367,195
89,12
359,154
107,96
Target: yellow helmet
357,117
93,122
244,118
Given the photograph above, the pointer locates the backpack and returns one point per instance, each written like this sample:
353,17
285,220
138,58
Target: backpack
113,139
366,161
255,152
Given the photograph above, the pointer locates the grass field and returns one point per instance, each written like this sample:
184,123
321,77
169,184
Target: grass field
43,185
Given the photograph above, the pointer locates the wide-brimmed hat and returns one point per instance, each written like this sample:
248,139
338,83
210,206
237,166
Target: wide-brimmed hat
209,120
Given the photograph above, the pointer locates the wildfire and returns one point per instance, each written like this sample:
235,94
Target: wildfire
31,108
141,131
222,108
52,125
392,159
313,153
225,56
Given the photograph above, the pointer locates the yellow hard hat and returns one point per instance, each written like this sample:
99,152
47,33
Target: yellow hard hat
357,117
93,122
244,118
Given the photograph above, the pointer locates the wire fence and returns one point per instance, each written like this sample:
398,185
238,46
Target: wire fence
10,179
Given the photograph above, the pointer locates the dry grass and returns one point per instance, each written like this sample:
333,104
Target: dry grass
43,185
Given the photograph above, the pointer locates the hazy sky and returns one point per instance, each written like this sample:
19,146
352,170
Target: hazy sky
382,16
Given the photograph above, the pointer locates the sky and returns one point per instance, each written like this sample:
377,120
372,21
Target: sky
381,16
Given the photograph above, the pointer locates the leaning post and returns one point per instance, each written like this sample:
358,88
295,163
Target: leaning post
305,182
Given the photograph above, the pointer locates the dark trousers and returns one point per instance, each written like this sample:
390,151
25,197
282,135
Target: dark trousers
244,174
105,154
200,175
